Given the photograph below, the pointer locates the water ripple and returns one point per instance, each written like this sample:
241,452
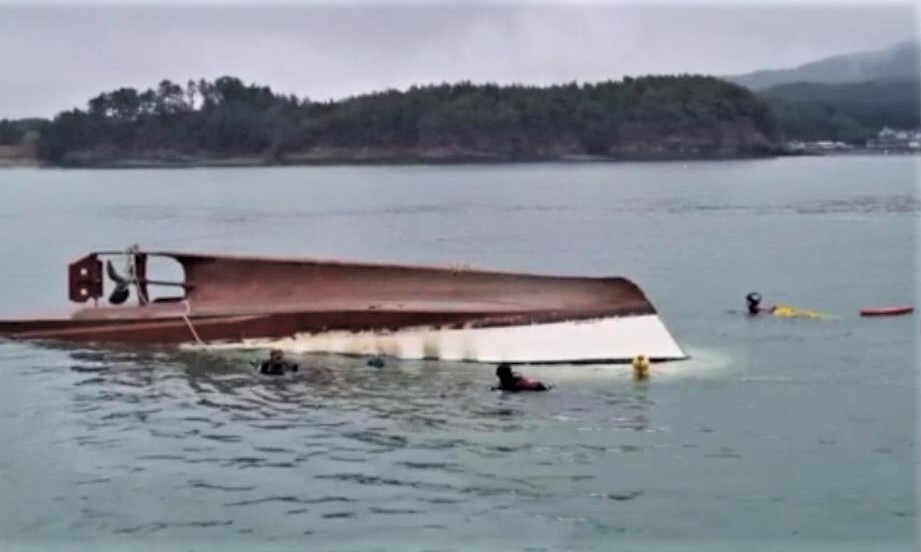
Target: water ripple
159,526
198,484
385,443
860,204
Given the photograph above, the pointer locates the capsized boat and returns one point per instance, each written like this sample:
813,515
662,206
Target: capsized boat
320,306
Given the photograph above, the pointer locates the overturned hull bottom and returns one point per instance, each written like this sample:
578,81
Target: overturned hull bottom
599,340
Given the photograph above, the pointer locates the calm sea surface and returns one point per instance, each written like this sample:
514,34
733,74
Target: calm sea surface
778,434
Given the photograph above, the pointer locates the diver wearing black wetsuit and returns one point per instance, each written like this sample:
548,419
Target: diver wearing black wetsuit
510,381
276,365
753,301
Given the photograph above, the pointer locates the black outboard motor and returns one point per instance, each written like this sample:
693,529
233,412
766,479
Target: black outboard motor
754,300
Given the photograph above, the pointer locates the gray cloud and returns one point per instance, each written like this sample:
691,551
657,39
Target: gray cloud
56,56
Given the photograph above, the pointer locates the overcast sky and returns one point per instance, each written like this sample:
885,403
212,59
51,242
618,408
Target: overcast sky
56,55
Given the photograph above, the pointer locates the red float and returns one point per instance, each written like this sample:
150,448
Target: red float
887,311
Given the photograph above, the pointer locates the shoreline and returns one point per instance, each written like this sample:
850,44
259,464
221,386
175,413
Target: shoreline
367,161
410,160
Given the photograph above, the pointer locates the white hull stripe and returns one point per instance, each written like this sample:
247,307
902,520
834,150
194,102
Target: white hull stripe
605,339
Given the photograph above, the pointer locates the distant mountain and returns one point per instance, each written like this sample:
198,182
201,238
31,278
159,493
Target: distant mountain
900,61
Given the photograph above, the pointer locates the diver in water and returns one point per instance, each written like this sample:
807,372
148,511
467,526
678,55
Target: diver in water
510,381
276,365
753,300
641,366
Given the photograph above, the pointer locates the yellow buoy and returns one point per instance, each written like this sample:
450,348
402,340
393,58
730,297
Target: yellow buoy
641,366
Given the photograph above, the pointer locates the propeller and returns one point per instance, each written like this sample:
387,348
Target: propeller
122,285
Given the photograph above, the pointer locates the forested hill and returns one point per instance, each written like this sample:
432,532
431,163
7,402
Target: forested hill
851,112
650,117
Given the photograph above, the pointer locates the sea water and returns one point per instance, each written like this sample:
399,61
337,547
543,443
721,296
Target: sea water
777,433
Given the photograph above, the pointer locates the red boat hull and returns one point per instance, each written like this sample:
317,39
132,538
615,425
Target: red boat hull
236,299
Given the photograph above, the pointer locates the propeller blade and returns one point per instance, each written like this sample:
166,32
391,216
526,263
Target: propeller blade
115,276
120,294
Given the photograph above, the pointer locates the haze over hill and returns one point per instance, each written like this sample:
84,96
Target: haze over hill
901,61
848,97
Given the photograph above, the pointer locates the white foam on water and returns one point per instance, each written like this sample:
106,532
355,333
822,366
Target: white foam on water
703,363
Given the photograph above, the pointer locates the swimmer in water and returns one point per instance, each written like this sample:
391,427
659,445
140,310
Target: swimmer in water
641,366
276,365
510,381
753,301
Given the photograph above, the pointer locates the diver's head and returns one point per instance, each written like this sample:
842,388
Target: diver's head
641,366
753,299
276,355
503,371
